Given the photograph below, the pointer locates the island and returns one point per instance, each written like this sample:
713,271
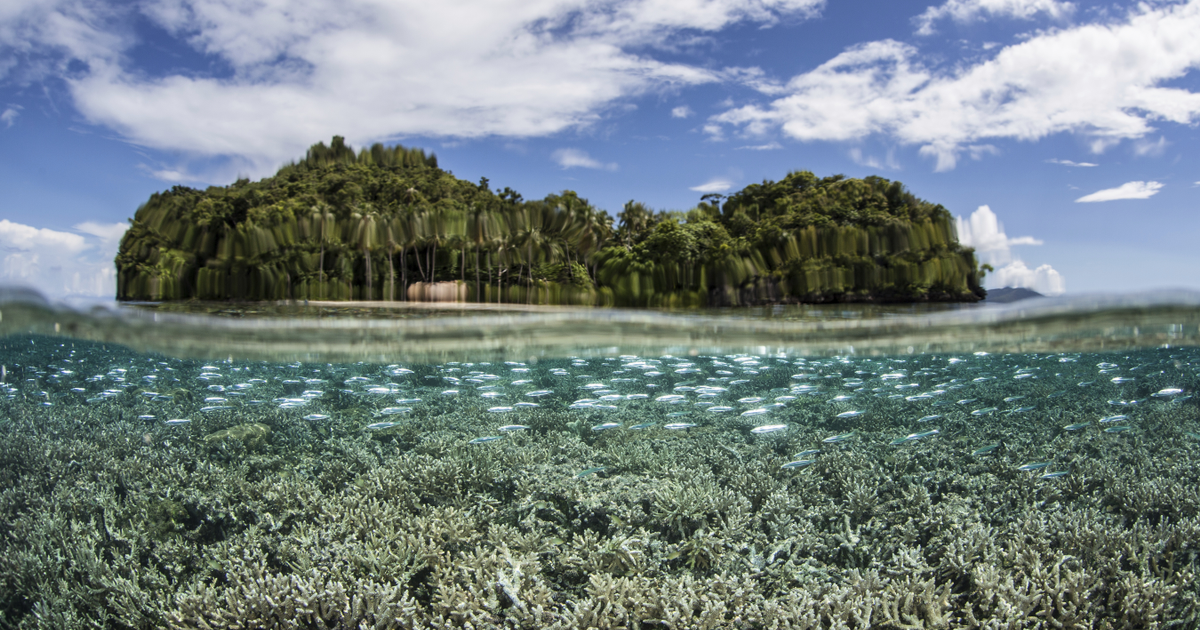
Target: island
385,223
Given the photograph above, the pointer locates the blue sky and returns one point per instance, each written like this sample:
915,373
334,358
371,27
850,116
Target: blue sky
1060,132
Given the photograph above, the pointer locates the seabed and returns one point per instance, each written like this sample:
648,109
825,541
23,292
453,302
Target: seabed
143,491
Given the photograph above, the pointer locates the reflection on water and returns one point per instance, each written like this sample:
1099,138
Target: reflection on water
567,468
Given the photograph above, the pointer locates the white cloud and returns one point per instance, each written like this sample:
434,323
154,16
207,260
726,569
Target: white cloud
574,158
984,232
1107,81
9,117
1070,163
719,184
963,11
60,264
889,161
304,71
109,233
1144,148
770,146
1044,279
1128,190
683,111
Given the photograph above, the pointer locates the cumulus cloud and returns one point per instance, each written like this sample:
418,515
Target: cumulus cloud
1128,190
963,11
1109,81
683,111
1044,279
61,264
1070,163
575,158
719,184
299,72
984,232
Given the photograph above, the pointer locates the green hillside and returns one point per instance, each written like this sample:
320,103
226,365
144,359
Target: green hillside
386,223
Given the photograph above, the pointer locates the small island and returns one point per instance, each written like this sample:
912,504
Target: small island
387,224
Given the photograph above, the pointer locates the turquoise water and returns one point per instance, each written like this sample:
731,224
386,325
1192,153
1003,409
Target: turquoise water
315,466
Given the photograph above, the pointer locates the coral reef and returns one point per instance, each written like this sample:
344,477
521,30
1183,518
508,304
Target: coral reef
110,517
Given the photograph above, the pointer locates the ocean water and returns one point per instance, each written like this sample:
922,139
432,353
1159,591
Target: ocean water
326,466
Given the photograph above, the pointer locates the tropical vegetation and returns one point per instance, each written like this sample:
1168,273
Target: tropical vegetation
386,223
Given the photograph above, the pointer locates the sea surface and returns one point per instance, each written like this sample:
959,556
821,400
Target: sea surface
1031,465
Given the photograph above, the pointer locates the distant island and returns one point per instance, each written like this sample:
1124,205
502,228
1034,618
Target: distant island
1011,294
387,224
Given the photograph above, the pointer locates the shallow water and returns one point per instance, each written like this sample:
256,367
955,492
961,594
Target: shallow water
306,466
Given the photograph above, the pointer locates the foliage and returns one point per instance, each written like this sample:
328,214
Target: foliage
342,225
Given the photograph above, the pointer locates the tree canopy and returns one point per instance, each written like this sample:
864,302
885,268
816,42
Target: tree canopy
386,223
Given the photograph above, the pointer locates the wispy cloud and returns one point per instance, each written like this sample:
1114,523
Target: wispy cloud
770,146
889,161
9,116
1109,80
963,11
683,111
1070,163
1153,148
1128,190
575,158
716,185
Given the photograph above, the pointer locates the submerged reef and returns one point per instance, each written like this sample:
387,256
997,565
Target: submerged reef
367,499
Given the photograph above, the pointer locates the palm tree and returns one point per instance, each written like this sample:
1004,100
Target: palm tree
367,235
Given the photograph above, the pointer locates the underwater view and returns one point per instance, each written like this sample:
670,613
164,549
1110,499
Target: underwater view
1033,466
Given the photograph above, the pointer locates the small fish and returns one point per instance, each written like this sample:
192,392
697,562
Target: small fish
1056,474
1031,466
391,411
1014,398
1192,434
967,401
645,425
499,409
850,414
590,471
769,428
983,412
316,416
1181,398
755,412
838,438
526,405
1118,429
215,408
677,414
1123,379
379,426
176,422
929,418
606,426
1061,392
798,463
806,453
1021,409
719,409
985,450
146,417
1117,418
1167,393
1077,426
912,437
512,427
675,426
